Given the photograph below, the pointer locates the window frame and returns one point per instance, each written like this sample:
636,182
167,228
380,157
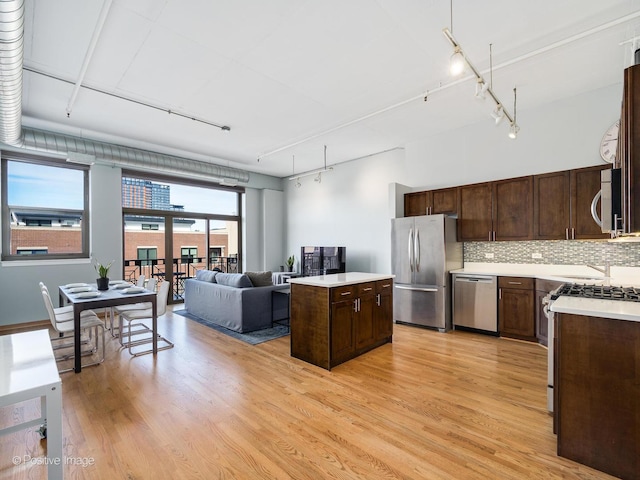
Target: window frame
85,223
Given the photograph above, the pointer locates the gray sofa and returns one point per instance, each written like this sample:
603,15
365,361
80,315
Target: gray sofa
231,301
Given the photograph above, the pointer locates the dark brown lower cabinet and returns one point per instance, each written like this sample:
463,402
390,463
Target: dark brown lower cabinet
597,393
516,307
332,325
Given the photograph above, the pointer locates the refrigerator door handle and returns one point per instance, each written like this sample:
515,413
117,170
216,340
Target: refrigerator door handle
411,249
416,247
417,289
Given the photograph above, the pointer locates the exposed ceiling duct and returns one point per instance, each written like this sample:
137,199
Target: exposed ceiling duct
11,55
80,150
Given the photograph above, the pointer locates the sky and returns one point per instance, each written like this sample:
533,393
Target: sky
42,186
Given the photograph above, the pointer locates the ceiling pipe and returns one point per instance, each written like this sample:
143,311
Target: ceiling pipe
11,57
89,152
106,6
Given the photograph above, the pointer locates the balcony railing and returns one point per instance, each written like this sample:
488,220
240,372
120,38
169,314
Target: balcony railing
183,268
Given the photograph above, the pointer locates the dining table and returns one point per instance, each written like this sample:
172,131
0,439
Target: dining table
87,297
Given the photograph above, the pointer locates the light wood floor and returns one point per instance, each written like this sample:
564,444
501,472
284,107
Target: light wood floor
428,406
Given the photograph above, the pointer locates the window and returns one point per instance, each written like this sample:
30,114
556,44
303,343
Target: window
195,224
45,208
146,254
188,253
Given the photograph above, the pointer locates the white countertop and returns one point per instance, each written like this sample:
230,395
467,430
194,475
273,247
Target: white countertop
593,307
340,279
620,276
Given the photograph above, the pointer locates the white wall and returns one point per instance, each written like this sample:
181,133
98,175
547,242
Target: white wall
558,136
351,207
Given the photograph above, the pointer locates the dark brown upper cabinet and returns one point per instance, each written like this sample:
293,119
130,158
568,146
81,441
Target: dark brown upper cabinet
501,210
415,204
562,208
431,202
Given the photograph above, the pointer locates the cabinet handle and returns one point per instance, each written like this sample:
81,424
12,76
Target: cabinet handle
499,294
355,305
378,299
573,233
566,233
515,283
368,289
489,235
345,293
386,285
494,235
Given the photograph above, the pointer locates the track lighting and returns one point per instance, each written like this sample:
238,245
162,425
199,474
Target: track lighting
482,87
318,172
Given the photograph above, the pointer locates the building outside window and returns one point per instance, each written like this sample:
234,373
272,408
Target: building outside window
188,253
146,254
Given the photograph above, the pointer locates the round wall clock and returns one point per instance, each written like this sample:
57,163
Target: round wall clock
609,143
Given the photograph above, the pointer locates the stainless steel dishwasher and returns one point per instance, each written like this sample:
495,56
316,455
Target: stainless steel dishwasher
475,302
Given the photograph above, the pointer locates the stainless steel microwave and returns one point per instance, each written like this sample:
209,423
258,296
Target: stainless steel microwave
610,196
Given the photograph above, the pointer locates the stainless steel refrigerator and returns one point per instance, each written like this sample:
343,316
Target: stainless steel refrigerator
423,251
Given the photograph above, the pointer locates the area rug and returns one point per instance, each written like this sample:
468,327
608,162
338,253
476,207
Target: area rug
253,338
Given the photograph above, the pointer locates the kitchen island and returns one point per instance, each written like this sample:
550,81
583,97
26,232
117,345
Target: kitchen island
597,383
337,317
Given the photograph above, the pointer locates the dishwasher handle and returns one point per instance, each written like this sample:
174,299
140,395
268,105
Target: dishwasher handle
475,279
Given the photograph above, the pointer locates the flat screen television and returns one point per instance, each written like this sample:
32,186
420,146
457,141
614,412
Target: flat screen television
322,260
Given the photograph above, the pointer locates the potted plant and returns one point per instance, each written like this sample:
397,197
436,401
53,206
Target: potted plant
103,272
290,261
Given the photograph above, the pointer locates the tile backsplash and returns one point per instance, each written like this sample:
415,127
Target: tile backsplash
555,252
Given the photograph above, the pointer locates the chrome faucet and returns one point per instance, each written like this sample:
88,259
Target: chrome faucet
606,270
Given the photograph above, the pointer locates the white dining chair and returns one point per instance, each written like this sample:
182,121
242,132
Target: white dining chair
136,328
63,309
151,285
62,322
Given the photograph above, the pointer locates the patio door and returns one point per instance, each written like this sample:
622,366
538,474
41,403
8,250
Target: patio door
188,252
144,247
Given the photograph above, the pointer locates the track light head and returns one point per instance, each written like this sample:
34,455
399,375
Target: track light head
498,114
318,178
481,89
513,131
298,184
456,63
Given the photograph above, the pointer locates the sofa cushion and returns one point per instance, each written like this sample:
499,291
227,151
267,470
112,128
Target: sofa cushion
260,279
206,276
238,280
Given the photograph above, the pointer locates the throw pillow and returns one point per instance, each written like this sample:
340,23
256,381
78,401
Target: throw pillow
260,279
238,280
206,276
